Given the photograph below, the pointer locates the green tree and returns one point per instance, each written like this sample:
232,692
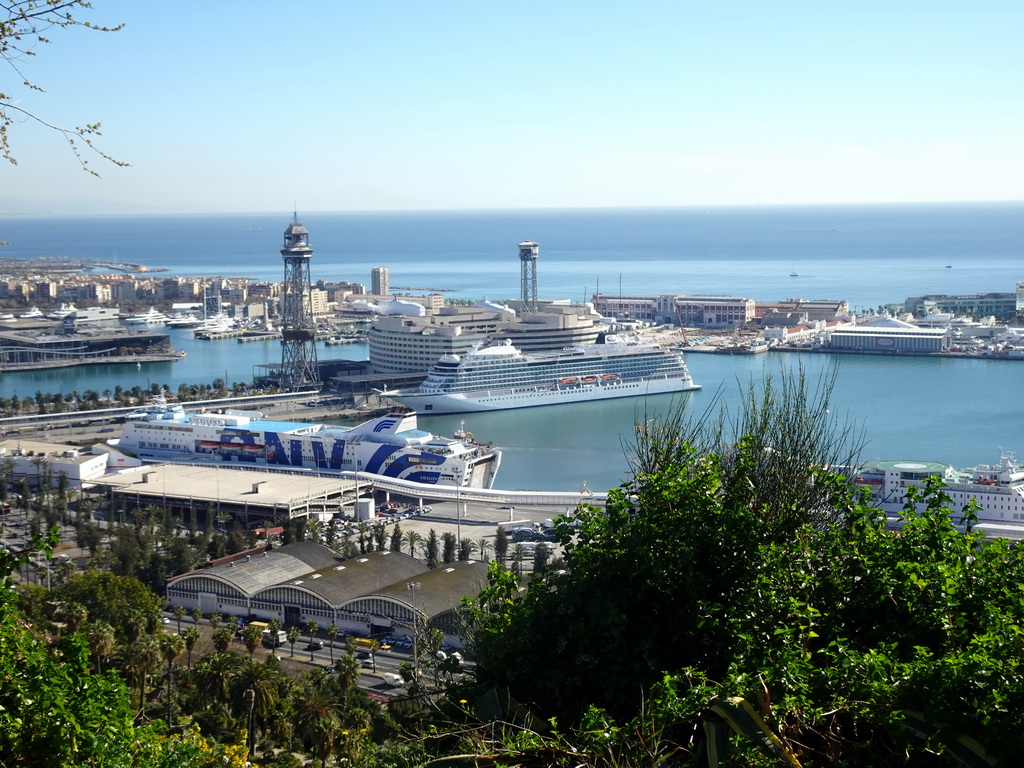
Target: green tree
222,638
697,594
432,549
137,659
252,636
293,637
395,544
171,646
102,642
120,601
500,545
448,547
332,635
311,629
191,637
412,539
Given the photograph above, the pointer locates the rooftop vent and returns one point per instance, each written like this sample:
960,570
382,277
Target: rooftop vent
316,576
363,560
339,567
297,582
449,570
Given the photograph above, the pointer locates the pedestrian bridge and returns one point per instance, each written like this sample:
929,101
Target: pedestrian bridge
425,493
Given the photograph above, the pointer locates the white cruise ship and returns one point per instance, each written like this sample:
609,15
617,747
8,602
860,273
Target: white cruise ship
999,490
500,377
392,446
152,316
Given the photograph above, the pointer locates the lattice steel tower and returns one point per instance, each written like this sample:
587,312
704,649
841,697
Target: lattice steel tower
299,367
528,253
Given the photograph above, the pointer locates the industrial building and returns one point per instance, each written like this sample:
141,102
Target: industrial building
44,463
373,594
1000,305
673,309
887,335
250,495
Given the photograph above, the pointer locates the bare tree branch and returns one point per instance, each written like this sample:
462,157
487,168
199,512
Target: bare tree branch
22,28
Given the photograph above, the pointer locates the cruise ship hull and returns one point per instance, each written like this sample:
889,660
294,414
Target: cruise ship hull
500,377
997,490
496,400
391,446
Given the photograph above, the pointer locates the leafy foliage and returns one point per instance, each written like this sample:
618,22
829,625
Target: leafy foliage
702,584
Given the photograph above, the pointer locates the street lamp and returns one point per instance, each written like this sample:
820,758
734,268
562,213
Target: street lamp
414,587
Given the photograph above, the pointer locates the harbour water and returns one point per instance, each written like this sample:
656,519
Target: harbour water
960,411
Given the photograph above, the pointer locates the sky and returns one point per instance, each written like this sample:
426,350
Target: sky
336,105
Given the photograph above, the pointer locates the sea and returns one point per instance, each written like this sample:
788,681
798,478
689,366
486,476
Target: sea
958,411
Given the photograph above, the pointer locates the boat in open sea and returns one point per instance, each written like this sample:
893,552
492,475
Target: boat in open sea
501,376
998,489
392,446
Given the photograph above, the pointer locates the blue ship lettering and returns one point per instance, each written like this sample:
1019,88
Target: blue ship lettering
337,455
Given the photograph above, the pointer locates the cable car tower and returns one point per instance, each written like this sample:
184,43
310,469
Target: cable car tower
299,368
528,253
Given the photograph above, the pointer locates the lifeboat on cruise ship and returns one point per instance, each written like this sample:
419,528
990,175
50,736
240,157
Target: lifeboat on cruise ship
571,380
209,444
610,377
589,379
252,448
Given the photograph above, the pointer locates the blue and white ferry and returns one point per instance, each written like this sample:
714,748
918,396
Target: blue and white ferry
392,445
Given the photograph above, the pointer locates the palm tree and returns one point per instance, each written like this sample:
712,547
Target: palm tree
172,646
373,647
191,637
179,614
317,722
311,630
252,635
215,619
518,555
222,639
347,669
293,637
213,676
262,680
137,660
332,635
102,642
196,615
481,546
412,539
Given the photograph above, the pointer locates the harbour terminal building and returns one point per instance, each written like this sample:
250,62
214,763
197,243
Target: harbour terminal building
672,309
888,335
1000,305
373,594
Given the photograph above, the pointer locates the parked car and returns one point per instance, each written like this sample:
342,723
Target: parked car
315,645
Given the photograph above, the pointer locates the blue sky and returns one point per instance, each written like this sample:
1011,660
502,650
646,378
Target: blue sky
393,104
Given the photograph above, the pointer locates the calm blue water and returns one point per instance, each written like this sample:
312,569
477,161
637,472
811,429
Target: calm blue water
865,254
958,411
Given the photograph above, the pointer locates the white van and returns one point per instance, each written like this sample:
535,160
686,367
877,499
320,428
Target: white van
395,681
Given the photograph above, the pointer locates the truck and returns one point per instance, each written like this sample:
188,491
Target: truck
274,639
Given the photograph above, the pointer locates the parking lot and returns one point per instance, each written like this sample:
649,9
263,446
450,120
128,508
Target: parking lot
474,521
